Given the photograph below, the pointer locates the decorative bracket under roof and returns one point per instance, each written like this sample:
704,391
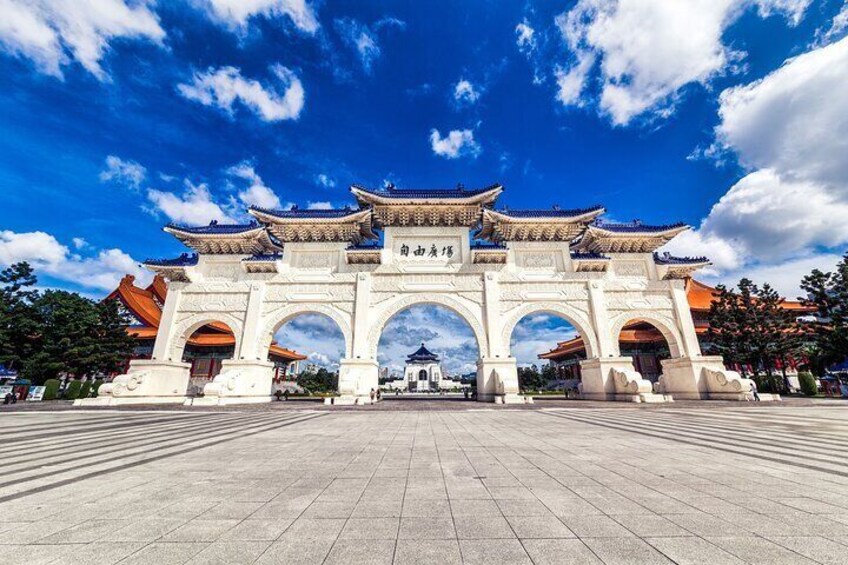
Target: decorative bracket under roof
536,225
589,262
177,269
364,254
602,237
338,225
236,239
488,253
426,207
261,263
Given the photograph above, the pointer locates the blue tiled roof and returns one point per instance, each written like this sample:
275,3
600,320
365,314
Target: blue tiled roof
486,245
184,260
215,228
458,192
423,354
636,227
297,213
669,259
577,255
366,246
554,212
261,257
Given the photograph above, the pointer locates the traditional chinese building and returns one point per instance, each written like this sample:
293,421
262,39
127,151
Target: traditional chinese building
205,349
645,344
448,247
423,372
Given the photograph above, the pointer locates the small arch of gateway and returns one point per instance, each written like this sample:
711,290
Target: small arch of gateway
396,248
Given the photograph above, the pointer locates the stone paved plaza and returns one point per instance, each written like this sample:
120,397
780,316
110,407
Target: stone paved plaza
697,483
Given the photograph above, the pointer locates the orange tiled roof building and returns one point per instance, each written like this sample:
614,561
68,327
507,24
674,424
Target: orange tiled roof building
206,348
645,343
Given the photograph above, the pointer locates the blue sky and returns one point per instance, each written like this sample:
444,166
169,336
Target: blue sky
116,118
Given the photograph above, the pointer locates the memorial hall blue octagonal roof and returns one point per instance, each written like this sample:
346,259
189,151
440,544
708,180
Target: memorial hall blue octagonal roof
423,355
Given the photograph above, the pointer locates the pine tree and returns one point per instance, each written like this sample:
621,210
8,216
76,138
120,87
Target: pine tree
114,343
19,325
750,327
827,293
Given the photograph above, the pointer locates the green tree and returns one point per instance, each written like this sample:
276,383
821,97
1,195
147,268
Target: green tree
529,378
115,345
749,326
19,324
78,336
321,380
827,293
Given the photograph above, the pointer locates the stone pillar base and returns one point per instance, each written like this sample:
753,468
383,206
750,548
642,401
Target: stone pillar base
596,382
513,399
613,378
703,377
497,381
357,378
350,400
145,382
239,382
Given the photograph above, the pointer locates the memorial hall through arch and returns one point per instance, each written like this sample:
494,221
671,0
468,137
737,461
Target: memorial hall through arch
453,248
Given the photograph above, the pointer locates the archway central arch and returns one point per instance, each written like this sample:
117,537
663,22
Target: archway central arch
474,318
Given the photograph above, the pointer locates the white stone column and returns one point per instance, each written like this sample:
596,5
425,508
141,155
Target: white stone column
492,318
497,370
607,343
597,382
690,346
251,343
248,377
165,335
359,373
361,319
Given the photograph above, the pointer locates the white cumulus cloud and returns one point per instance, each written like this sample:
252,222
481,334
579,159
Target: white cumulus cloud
53,33
457,143
465,93
325,180
646,52
790,130
48,256
525,37
364,40
257,193
236,14
126,172
281,99
195,206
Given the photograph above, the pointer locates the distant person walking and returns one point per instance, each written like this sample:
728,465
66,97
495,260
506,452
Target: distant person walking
373,394
754,390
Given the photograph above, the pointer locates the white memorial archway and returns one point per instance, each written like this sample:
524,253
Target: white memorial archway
453,248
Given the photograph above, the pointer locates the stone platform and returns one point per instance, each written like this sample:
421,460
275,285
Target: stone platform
554,482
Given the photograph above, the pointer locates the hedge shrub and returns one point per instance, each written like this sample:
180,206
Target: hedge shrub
95,386
808,383
73,389
85,390
51,389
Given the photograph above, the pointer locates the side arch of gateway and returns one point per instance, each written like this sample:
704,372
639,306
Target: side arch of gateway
453,247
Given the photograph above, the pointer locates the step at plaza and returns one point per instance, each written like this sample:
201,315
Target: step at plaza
455,248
